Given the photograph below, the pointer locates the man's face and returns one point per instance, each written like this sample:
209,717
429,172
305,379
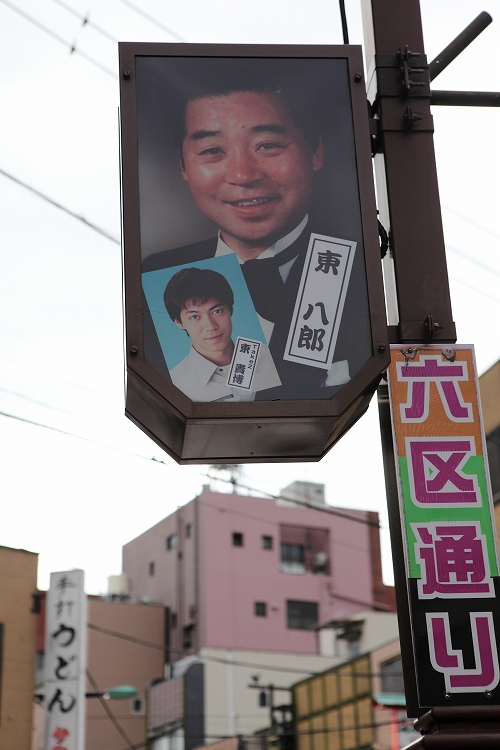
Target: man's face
209,327
249,167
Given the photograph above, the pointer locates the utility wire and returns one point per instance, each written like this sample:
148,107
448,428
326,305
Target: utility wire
153,20
51,374
326,509
475,289
159,461
476,262
80,437
72,48
270,521
86,21
59,205
34,401
472,222
184,652
208,657
109,712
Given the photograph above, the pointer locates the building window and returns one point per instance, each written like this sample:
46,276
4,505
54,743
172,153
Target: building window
137,706
260,609
391,676
151,568
304,549
172,541
292,558
189,530
301,615
237,539
187,636
267,542
173,620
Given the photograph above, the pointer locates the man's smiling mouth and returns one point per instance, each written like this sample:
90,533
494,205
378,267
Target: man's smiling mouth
252,202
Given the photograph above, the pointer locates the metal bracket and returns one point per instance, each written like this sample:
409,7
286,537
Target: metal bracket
404,73
413,331
431,326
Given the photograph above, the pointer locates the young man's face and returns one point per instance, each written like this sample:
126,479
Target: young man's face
209,327
249,167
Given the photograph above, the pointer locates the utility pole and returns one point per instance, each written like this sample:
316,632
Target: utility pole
416,277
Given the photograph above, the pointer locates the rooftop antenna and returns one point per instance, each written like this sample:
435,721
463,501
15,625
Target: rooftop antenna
220,472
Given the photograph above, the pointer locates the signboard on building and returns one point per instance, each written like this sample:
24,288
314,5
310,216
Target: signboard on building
447,525
253,288
65,662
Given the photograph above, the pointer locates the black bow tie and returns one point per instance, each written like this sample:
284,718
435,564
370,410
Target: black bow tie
265,283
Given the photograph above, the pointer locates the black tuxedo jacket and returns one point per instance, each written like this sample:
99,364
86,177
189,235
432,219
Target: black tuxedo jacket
298,381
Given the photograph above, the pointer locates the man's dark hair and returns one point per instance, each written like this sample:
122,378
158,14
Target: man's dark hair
200,78
196,285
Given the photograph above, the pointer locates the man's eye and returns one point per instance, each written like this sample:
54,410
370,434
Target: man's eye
213,151
269,146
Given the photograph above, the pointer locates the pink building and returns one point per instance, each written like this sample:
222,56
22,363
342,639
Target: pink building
240,572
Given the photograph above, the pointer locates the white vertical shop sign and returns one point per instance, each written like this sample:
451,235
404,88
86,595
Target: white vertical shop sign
65,662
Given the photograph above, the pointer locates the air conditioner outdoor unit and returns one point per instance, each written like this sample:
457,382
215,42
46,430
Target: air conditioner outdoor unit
320,561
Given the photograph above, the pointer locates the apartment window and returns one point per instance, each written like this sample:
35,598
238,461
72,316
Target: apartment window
267,542
301,615
304,549
260,609
292,558
391,676
151,568
173,620
172,541
187,636
237,539
137,706
189,530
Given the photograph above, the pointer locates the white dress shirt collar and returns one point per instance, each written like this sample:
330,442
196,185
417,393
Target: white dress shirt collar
203,368
270,252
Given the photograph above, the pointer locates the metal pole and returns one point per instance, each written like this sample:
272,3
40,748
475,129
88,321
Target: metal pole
459,44
398,87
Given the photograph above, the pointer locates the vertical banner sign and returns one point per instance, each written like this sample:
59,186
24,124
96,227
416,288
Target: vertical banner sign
448,524
65,654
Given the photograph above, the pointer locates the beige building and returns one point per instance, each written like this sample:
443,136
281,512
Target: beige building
227,685
18,626
125,646
357,705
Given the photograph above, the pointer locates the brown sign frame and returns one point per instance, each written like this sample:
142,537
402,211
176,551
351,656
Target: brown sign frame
198,432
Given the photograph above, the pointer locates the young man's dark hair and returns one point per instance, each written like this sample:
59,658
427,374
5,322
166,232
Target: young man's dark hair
198,79
196,285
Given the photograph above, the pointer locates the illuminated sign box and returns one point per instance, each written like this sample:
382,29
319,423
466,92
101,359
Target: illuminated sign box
255,317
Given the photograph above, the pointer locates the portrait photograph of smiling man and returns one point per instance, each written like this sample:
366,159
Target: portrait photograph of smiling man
251,157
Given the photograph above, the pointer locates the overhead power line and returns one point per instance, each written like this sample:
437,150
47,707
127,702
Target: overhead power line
109,712
72,48
302,503
475,289
471,259
472,222
59,205
153,20
86,21
209,657
80,437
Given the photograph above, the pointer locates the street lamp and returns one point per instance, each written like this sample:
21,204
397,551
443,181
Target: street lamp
117,693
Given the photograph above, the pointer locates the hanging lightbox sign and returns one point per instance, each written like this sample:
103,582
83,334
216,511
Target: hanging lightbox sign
253,288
